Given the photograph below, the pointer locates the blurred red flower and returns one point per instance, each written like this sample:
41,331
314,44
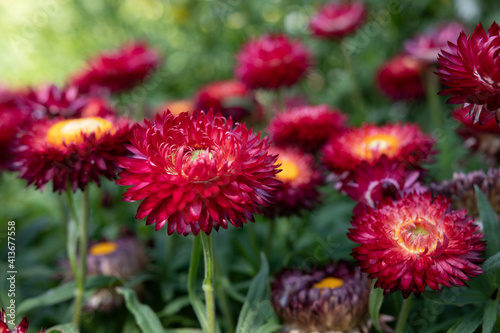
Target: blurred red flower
337,19
400,78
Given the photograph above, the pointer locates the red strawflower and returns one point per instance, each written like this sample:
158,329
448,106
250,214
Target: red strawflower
416,242
370,183
118,70
400,78
271,62
336,19
329,299
471,70
401,142
71,151
198,172
306,127
231,98
22,327
425,47
300,182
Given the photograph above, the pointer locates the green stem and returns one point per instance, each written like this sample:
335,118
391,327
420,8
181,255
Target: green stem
270,237
71,231
208,284
356,95
403,314
192,273
82,263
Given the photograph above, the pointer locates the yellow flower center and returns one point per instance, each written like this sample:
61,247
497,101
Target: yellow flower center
200,153
417,236
376,145
289,170
329,283
103,248
72,131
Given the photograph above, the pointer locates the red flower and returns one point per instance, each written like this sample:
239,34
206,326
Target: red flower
425,47
336,19
306,127
74,151
401,142
370,183
301,180
22,327
231,98
400,78
329,299
416,242
271,62
198,172
177,106
118,70
471,70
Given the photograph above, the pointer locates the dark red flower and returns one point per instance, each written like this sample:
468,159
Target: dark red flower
328,299
22,327
306,127
12,120
71,151
370,183
400,78
337,19
231,98
301,180
271,62
471,70
118,70
401,142
416,242
425,47
198,172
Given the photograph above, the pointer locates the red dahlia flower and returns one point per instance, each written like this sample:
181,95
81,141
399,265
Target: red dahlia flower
332,298
198,172
231,98
271,62
416,242
425,47
74,151
400,78
370,183
306,127
301,180
471,70
401,142
22,327
337,19
118,70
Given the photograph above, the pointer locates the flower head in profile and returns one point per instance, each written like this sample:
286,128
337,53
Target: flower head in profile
416,242
400,78
306,127
405,143
300,179
471,71
272,62
118,70
331,298
22,327
72,151
230,97
371,183
426,46
198,172
337,19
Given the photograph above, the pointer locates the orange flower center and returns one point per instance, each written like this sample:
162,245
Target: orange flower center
103,248
418,236
73,130
329,283
376,145
289,170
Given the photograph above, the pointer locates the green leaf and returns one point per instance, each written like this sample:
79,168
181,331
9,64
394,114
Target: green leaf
490,316
376,299
64,328
198,307
174,307
469,323
144,316
256,310
52,296
490,223
492,264
184,330
456,296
